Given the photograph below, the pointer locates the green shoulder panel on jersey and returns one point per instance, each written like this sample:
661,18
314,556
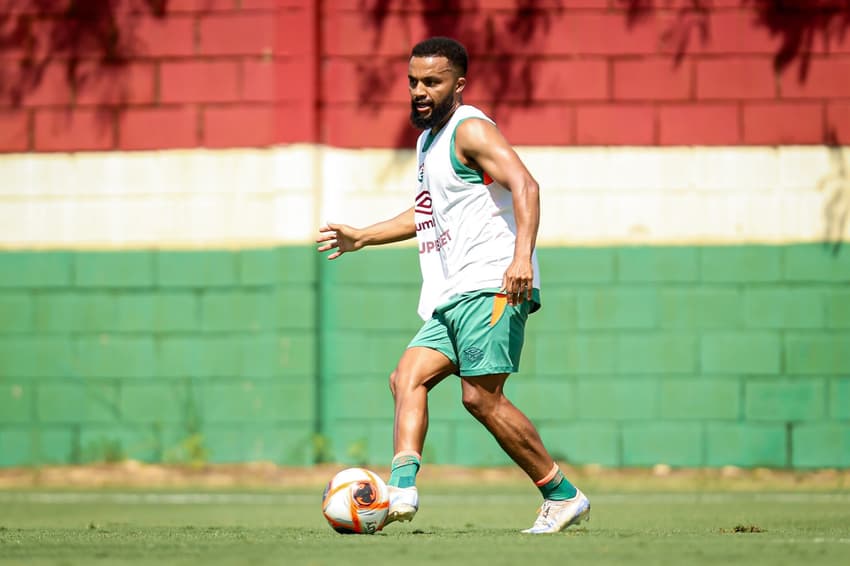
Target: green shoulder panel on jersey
465,172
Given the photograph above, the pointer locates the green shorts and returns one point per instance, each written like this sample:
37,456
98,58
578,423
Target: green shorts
478,331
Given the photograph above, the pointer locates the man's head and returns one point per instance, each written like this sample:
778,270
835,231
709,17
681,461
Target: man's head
436,77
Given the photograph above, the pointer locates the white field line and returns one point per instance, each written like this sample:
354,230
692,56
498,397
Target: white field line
59,498
816,540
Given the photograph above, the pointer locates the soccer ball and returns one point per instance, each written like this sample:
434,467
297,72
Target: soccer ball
356,501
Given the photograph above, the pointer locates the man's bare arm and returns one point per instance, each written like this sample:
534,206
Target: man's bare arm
345,238
481,146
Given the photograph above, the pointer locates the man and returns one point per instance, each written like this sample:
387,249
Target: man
476,216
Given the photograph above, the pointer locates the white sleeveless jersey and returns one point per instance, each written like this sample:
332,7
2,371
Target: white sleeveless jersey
465,222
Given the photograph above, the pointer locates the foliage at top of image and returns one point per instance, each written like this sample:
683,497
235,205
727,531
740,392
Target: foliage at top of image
802,26
86,38
94,40
505,73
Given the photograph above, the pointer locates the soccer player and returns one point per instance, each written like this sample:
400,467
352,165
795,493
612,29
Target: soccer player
475,215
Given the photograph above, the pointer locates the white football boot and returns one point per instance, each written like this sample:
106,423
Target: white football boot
555,516
404,503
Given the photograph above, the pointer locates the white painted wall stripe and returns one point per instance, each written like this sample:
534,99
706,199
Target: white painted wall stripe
590,196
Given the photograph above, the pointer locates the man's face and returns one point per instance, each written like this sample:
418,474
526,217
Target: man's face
434,90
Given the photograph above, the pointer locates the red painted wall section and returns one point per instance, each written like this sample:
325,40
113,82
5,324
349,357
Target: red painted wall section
182,74
255,73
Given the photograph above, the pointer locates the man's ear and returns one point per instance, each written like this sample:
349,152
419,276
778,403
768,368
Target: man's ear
461,83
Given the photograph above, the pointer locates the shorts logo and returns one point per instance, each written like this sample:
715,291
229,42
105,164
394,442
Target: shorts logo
472,354
423,203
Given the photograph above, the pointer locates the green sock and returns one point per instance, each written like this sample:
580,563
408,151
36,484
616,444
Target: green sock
405,468
558,488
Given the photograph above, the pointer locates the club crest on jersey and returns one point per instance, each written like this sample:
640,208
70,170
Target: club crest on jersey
421,174
423,203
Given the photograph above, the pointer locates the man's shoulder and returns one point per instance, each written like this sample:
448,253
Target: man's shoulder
473,129
467,111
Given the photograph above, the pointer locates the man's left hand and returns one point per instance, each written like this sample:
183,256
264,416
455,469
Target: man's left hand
517,281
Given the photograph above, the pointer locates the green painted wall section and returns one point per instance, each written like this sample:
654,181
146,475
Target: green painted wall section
690,356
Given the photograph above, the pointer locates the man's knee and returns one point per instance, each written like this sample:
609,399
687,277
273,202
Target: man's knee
402,381
393,379
479,403
483,395
471,401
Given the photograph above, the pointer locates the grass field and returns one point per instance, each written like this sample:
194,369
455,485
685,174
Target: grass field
456,525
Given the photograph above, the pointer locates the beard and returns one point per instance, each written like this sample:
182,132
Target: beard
438,114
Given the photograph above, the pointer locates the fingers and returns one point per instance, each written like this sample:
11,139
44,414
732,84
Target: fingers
517,289
522,293
508,289
329,246
328,232
332,234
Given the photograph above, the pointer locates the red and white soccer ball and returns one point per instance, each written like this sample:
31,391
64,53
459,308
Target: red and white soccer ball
356,501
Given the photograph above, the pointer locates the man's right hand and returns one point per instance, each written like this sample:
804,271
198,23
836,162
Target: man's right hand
340,237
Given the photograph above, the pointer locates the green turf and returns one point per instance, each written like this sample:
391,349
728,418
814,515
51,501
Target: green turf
453,527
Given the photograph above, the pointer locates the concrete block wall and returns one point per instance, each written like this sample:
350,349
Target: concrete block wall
160,297
217,73
240,73
137,354
629,363
252,353
606,72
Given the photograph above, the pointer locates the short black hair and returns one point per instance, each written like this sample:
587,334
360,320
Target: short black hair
447,47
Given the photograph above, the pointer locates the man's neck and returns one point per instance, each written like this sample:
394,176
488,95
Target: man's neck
436,129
